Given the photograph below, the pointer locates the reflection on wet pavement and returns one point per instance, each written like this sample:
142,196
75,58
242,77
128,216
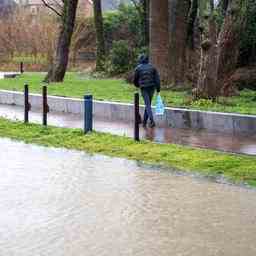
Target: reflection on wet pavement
195,138
56,202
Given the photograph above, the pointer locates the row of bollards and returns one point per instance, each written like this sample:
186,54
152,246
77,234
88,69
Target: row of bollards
27,105
88,111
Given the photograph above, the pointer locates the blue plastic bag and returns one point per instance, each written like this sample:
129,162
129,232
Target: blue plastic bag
159,105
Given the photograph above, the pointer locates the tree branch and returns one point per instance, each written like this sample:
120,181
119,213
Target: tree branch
51,8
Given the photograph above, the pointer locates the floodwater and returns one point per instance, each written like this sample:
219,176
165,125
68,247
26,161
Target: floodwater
56,202
196,138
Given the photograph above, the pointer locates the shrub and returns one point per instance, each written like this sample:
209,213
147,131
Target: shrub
120,58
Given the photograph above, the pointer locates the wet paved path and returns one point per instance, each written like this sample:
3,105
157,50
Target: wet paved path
56,202
202,139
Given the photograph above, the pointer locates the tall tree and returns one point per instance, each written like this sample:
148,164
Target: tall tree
101,48
207,80
229,42
219,60
142,7
145,21
67,14
178,25
191,23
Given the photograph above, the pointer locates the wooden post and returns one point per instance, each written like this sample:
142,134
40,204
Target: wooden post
45,106
136,117
88,110
21,68
27,105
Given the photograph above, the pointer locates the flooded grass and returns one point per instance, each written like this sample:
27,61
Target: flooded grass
237,168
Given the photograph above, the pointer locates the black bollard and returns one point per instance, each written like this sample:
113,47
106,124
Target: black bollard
45,106
27,105
21,68
136,117
88,109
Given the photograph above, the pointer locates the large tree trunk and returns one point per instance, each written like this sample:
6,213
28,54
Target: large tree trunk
159,38
178,25
191,23
229,44
60,63
145,23
207,80
98,21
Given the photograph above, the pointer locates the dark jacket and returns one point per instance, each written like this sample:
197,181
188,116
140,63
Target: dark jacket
146,75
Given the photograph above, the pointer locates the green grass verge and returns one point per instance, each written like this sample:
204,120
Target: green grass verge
76,85
237,168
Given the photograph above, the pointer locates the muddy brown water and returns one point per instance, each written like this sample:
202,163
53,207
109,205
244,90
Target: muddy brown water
62,203
196,138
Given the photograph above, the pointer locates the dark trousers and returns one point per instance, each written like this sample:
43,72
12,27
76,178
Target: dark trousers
147,94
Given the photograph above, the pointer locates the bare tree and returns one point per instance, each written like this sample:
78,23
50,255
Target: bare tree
66,10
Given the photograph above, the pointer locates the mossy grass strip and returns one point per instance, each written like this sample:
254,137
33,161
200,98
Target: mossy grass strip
237,168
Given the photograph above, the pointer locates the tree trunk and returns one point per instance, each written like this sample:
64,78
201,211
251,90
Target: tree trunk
159,38
145,21
178,25
191,23
224,6
207,82
60,63
229,44
98,21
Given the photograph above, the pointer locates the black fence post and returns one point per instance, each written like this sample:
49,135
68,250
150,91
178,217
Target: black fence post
136,117
45,105
88,110
21,68
27,105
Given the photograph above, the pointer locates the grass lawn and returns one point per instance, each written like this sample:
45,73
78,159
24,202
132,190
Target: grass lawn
237,168
76,85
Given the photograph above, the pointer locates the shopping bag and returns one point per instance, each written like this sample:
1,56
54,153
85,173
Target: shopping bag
159,105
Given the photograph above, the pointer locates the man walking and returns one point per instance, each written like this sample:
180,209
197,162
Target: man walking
147,79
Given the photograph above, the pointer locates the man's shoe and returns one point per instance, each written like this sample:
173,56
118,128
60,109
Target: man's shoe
152,124
144,124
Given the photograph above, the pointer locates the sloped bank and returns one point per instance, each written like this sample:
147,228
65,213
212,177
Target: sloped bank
174,117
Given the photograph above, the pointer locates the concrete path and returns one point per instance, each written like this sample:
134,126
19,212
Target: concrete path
200,138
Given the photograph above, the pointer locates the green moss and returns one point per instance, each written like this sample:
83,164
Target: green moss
77,86
238,168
